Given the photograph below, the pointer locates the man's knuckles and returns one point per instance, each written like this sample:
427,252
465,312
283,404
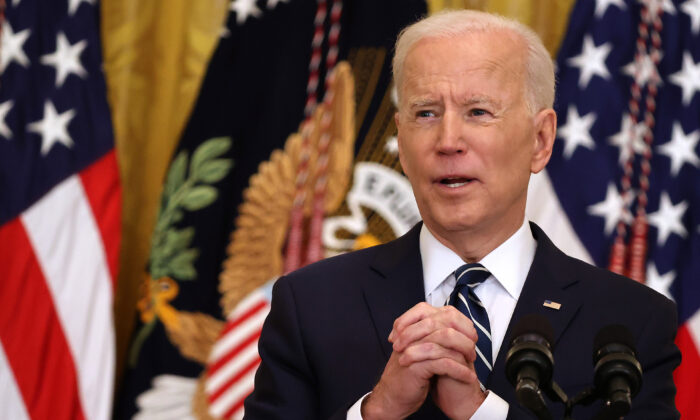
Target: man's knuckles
420,352
413,315
446,366
430,351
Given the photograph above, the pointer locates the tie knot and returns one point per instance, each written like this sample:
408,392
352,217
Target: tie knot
471,275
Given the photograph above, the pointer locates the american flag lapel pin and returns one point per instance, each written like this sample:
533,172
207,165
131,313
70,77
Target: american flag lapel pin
550,304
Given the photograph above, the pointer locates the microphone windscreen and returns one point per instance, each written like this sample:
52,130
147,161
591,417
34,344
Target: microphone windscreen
618,334
534,324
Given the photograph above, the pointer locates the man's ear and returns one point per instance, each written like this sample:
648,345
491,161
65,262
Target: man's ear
545,133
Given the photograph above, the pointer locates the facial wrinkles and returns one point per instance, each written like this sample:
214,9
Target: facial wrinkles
511,61
442,95
494,106
504,74
491,84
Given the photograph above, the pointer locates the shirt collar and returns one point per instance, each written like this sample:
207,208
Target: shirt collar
439,262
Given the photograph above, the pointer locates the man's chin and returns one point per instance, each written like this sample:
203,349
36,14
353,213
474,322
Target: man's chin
456,224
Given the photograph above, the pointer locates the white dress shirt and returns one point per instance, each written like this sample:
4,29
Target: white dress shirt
509,264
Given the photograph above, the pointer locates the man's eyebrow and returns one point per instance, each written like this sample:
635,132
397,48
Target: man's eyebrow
472,100
419,102
469,101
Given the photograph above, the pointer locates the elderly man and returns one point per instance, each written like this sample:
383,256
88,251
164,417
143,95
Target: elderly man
420,326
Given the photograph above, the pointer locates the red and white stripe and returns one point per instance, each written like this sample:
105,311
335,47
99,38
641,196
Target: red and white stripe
234,358
58,262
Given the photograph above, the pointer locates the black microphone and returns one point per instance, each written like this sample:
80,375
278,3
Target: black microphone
618,374
529,362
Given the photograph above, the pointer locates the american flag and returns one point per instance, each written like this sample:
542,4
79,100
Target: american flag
625,166
234,358
60,206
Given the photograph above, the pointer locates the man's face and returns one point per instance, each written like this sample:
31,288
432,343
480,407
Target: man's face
467,141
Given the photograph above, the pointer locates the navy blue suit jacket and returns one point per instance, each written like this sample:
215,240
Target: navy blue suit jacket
324,344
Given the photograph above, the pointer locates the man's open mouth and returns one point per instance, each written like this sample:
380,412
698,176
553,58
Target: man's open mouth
455,182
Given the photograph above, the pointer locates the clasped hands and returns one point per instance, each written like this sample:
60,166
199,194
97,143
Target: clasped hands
433,352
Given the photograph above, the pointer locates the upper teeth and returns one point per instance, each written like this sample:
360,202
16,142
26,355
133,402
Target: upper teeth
455,184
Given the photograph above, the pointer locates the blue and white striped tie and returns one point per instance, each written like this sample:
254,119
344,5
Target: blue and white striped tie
469,276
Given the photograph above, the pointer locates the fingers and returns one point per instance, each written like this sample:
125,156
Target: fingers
445,367
454,340
420,311
428,351
423,320
445,342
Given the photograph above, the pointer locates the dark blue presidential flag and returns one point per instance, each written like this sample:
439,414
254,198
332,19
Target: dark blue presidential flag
625,166
295,93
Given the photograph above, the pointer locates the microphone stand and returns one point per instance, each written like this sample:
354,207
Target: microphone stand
585,397
530,397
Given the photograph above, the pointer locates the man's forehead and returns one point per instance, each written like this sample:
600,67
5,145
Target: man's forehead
492,46
489,54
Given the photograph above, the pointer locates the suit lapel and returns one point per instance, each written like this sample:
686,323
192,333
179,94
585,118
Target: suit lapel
548,279
398,285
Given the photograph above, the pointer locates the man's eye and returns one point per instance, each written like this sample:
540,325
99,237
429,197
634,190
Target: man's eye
478,112
425,114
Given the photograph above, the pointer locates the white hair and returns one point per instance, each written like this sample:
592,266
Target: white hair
539,67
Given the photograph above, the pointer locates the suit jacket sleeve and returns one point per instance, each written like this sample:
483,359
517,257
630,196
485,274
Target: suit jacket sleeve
658,356
284,384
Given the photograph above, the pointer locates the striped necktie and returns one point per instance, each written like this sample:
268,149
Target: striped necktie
469,276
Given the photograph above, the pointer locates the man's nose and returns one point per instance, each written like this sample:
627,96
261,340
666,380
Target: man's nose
451,138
